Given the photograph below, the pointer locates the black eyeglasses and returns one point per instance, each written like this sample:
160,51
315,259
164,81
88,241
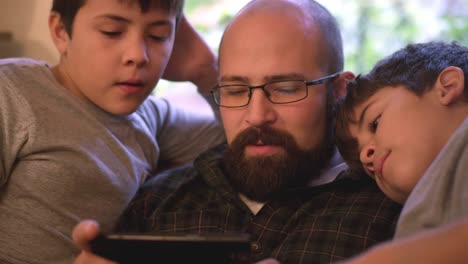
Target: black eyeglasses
277,92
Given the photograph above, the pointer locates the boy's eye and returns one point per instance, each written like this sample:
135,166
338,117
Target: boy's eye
111,33
158,38
159,34
374,124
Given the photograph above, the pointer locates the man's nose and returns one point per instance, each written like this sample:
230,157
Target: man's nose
367,156
260,111
136,52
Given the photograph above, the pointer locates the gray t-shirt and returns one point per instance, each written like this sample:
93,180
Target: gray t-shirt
64,159
441,195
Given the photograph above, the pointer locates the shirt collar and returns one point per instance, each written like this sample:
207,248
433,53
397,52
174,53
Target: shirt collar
331,172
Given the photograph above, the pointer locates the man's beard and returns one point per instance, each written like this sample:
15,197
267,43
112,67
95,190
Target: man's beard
261,177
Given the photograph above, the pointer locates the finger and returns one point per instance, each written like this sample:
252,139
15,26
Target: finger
268,261
84,232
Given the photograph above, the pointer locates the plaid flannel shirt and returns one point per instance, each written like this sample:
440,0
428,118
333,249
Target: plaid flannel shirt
321,224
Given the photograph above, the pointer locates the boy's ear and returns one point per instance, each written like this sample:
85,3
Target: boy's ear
58,32
450,85
339,88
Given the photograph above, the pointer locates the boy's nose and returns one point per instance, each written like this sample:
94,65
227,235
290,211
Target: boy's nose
367,157
260,111
136,53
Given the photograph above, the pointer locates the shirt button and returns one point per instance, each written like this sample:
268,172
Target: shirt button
255,247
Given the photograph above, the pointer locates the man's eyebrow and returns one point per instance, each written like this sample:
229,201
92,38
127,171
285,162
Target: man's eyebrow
234,78
282,77
268,78
118,18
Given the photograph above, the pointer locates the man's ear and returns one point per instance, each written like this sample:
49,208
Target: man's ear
339,85
450,85
58,33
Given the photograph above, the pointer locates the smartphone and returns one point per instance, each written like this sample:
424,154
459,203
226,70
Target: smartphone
145,249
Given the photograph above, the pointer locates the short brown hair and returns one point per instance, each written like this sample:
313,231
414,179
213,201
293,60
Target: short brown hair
68,9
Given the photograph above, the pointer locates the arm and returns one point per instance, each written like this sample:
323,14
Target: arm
446,244
192,59
181,135
15,118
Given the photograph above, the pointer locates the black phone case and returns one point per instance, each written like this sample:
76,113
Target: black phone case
146,249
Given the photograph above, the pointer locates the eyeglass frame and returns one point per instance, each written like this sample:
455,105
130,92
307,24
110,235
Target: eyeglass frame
307,84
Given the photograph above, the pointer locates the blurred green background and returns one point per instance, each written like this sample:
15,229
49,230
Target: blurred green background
370,29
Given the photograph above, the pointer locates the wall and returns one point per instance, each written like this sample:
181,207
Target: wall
27,20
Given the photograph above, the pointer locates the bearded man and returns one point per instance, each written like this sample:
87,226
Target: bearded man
278,178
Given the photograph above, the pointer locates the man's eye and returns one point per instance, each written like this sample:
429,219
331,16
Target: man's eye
235,91
286,90
374,124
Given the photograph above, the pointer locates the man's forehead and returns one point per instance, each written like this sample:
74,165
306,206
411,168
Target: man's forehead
253,37
266,78
264,16
283,52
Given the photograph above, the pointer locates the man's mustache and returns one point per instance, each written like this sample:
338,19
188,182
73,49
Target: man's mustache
264,136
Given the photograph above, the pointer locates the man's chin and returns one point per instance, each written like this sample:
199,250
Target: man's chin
260,176
259,170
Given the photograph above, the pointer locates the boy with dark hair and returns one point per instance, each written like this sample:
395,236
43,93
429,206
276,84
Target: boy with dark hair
416,67
78,139
405,124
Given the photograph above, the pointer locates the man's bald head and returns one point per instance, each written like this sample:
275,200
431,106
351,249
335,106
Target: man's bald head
307,18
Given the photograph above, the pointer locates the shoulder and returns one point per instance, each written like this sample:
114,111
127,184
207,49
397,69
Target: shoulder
440,195
19,77
450,162
20,63
363,191
360,197
180,181
152,113
153,105
345,217
159,113
22,72
163,185
458,141
152,194
169,180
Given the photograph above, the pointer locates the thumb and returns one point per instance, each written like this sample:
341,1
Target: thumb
84,232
